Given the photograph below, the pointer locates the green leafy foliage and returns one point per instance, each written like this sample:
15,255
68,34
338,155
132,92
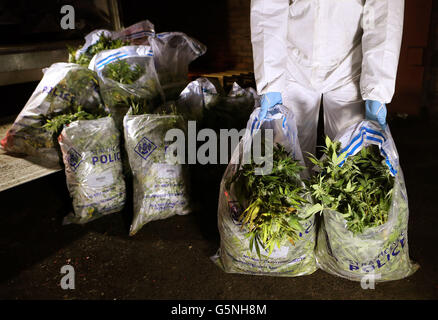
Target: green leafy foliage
79,87
56,124
169,108
274,200
361,189
135,87
122,72
104,43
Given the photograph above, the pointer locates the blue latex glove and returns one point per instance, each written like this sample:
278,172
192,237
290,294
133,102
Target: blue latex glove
269,100
376,111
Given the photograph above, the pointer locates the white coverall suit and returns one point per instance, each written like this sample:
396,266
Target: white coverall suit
339,51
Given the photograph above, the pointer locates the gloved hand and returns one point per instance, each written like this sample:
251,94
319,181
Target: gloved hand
269,100
376,111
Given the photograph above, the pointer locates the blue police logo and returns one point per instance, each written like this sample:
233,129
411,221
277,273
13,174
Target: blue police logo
144,148
74,159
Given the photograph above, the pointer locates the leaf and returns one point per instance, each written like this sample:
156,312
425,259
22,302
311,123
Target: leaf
335,159
293,222
328,142
257,247
342,156
251,242
314,161
310,211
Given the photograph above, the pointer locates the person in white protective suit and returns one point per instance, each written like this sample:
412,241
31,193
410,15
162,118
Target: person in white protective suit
341,52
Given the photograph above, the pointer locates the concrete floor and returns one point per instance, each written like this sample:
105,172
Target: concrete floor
170,259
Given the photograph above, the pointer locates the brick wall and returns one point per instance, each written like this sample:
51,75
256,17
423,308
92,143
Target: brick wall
431,81
223,26
239,55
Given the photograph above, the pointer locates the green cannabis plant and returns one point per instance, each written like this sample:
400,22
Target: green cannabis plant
124,85
274,201
104,43
56,124
122,72
359,187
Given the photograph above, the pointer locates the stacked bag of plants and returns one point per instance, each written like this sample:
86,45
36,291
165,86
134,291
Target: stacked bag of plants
362,195
100,40
265,218
160,181
127,77
76,114
93,168
172,52
95,42
65,88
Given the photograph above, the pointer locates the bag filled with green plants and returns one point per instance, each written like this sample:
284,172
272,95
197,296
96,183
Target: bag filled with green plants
95,42
127,76
64,88
160,185
93,167
265,218
102,39
362,196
